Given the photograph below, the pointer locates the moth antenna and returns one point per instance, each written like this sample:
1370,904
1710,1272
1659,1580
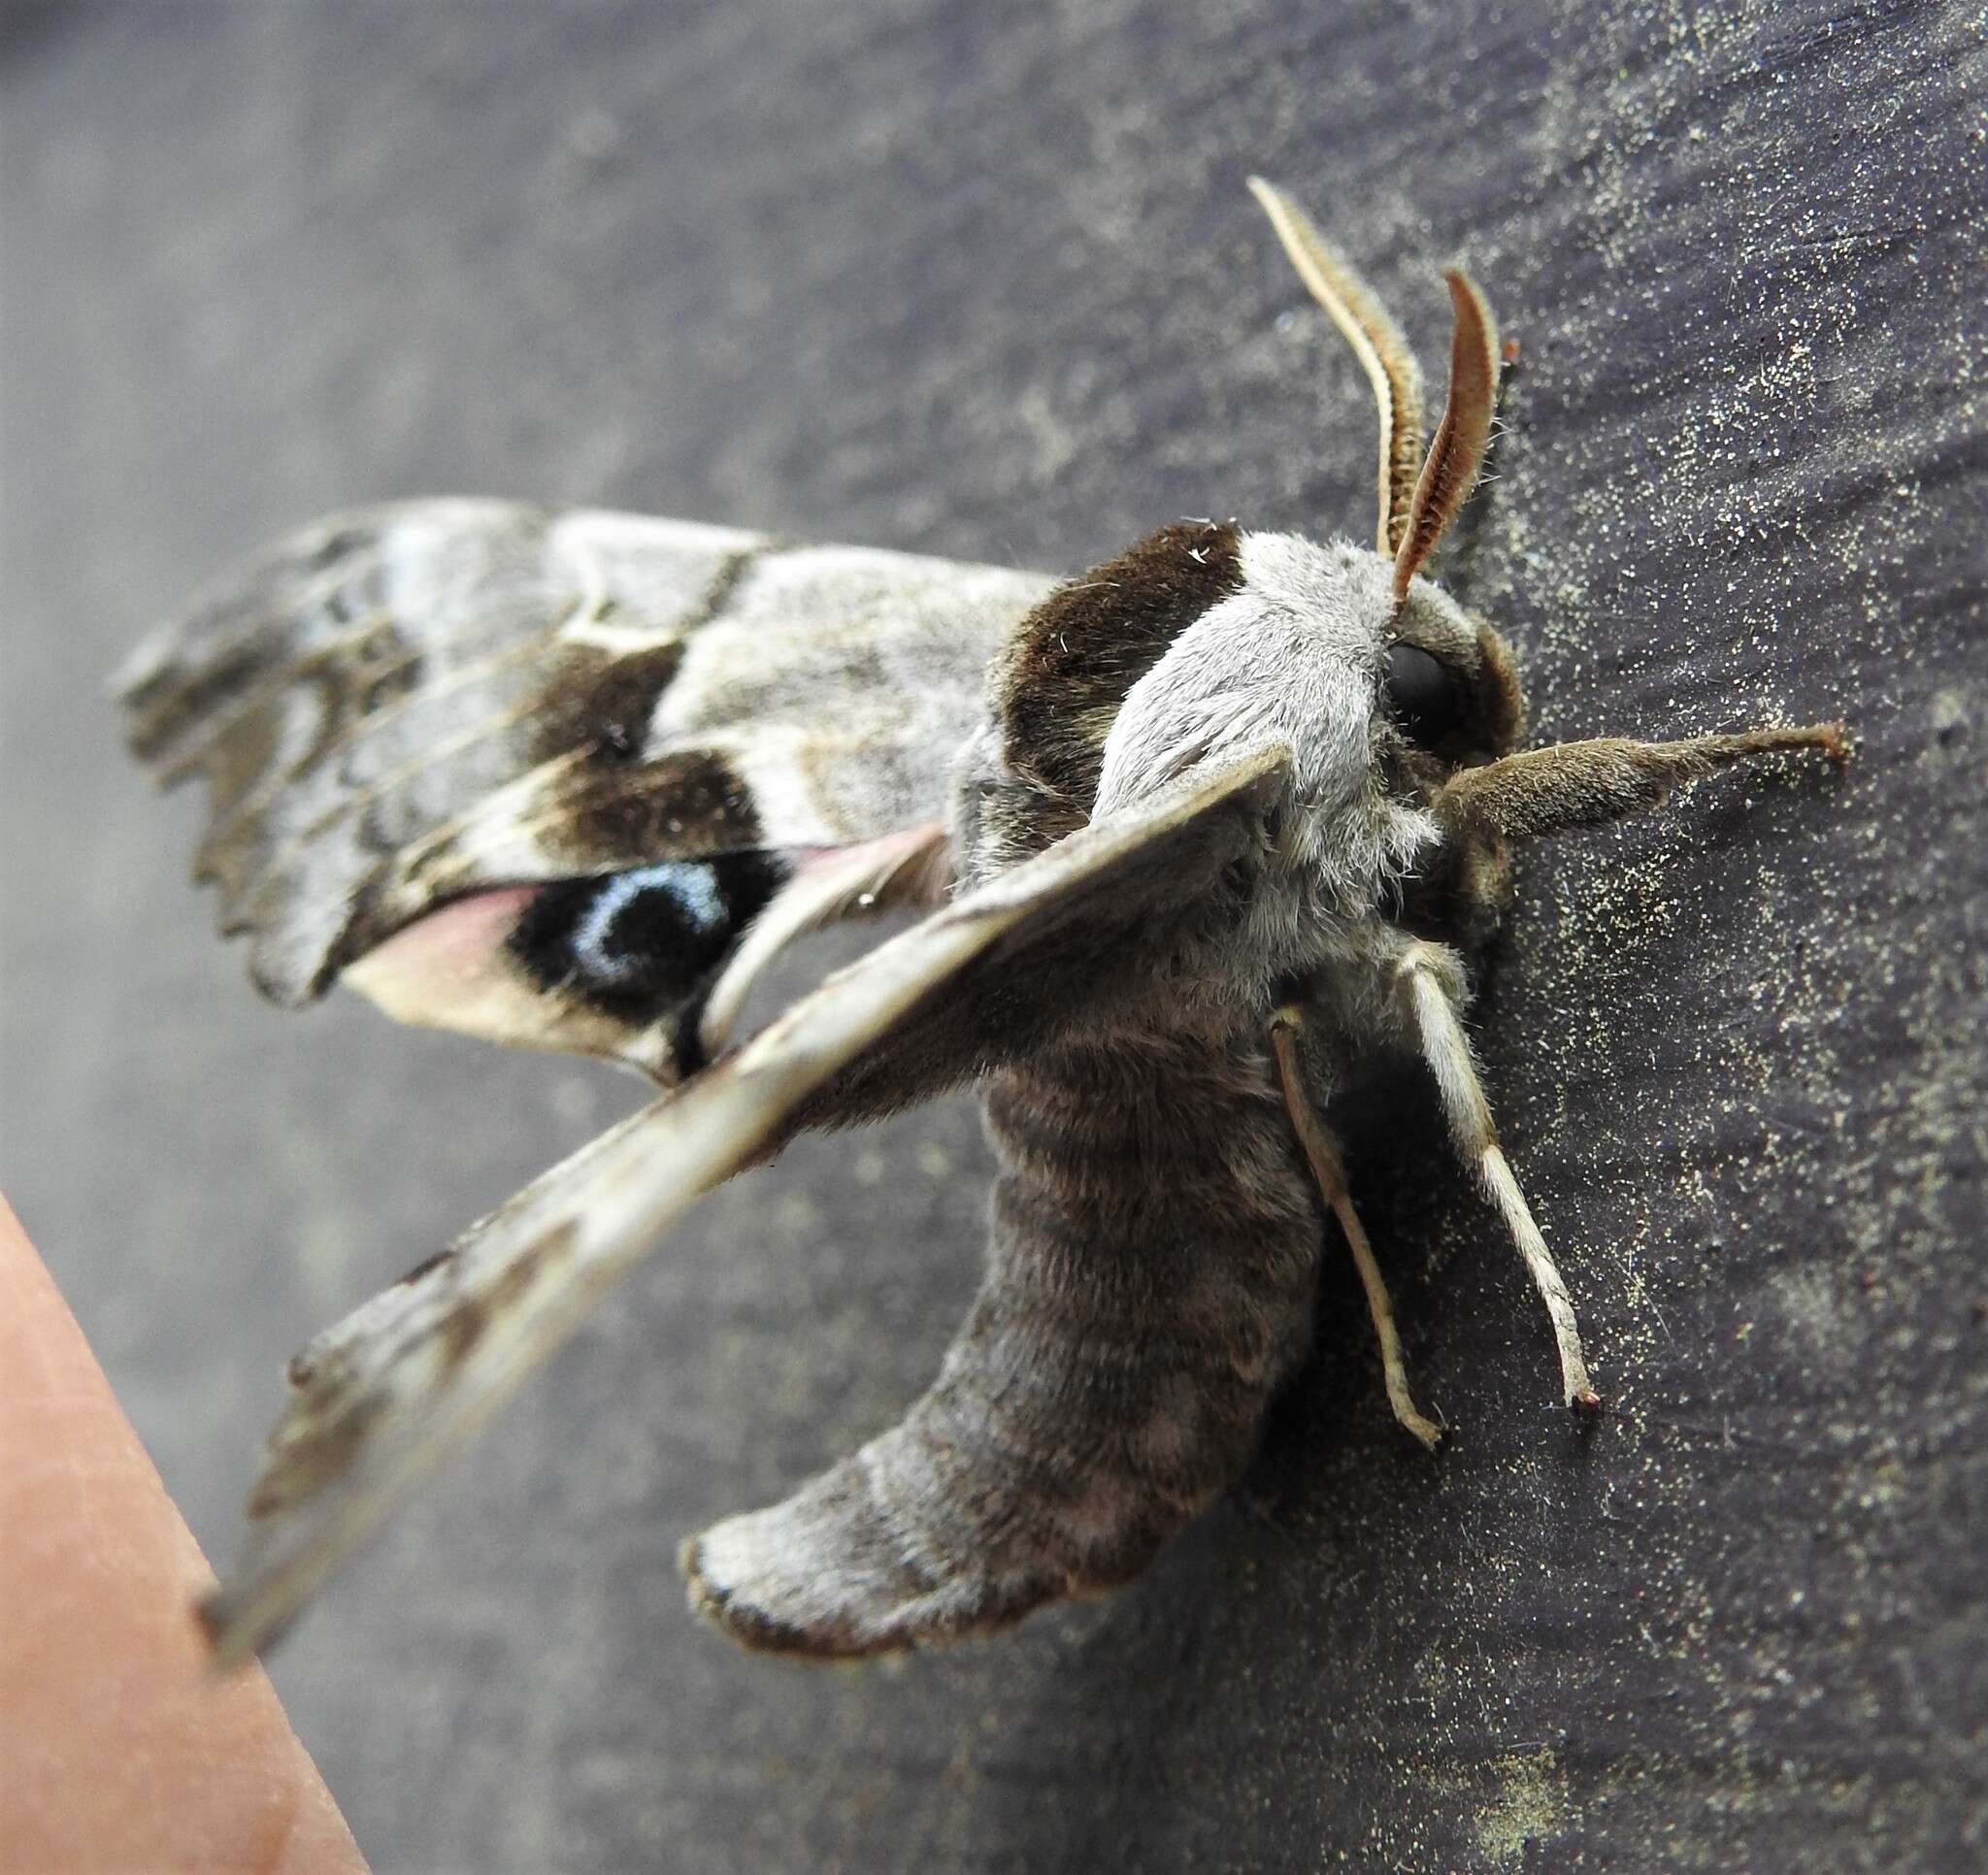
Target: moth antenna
1461,438
1377,342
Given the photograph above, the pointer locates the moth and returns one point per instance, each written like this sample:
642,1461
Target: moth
1193,834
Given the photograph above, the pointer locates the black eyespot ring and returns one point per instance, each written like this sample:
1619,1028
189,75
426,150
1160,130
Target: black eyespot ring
1423,696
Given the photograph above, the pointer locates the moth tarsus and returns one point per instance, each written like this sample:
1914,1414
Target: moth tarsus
1329,1169
1192,833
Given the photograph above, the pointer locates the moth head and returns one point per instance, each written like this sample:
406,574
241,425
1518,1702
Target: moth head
1446,694
1445,683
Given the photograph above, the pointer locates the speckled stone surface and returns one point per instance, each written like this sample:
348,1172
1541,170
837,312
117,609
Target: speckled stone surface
983,281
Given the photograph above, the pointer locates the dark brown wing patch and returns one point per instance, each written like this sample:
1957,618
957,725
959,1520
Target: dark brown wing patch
690,802
594,698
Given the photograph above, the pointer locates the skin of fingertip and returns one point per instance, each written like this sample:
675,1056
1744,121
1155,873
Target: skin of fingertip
121,1751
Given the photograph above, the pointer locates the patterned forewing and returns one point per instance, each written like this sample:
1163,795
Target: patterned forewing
408,704
381,1396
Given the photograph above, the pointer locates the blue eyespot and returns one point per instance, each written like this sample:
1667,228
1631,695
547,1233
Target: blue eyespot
636,943
676,899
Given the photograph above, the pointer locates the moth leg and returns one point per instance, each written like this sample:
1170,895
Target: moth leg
1327,1167
1432,980
1567,785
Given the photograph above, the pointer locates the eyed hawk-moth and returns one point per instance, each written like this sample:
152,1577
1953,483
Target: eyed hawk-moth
1191,835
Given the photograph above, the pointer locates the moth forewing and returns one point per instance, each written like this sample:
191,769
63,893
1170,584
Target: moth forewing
503,713
410,1375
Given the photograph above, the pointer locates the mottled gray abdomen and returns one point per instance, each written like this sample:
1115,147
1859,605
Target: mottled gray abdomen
1152,1260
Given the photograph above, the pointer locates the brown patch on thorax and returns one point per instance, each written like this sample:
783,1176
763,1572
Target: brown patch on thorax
1061,678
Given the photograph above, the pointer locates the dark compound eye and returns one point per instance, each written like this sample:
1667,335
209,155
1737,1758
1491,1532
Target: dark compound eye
1423,695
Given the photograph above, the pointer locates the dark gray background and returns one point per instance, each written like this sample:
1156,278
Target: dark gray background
983,281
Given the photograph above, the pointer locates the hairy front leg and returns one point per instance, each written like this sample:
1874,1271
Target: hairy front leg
1569,785
1430,978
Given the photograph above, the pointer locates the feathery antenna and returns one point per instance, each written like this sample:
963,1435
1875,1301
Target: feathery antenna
1461,438
1377,342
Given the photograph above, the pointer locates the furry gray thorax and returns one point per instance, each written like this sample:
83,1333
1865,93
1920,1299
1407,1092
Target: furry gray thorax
1197,644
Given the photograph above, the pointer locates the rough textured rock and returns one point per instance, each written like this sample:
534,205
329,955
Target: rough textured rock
983,281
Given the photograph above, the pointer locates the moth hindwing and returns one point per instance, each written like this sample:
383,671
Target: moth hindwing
1192,835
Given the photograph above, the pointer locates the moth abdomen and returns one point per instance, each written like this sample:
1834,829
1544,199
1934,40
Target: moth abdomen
1151,1274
